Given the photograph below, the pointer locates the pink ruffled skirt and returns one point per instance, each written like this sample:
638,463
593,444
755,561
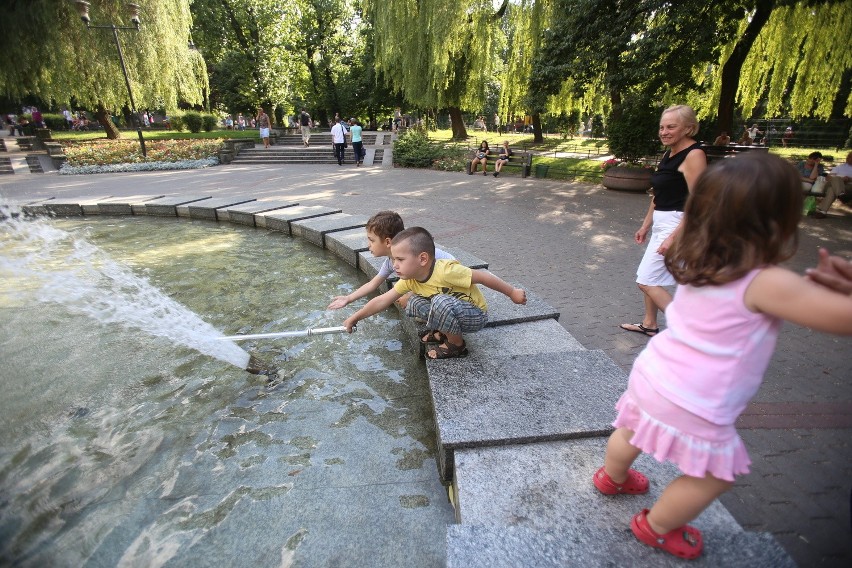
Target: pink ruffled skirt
670,433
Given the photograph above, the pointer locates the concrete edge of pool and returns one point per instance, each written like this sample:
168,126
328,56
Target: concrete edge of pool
522,422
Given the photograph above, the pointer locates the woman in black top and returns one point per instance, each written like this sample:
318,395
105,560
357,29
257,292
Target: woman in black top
674,178
480,158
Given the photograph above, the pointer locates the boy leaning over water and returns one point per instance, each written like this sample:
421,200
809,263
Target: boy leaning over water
445,294
381,229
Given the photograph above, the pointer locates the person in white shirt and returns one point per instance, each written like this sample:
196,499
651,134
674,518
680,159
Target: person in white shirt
338,138
837,184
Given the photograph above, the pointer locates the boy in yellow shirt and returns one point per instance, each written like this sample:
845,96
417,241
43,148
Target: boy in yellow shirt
444,294
381,229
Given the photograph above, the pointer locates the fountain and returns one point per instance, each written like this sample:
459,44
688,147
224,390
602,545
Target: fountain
133,436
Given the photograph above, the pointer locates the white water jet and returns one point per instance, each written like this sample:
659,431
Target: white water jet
47,264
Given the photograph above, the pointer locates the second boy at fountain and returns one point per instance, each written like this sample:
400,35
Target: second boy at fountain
445,294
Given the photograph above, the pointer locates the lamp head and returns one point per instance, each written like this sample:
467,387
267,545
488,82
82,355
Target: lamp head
82,8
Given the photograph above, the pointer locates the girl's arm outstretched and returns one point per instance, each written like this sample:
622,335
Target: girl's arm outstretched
784,294
517,295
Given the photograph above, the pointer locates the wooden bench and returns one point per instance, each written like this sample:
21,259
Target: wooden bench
729,151
518,159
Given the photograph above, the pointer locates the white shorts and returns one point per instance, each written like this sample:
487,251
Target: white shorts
264,133
652,270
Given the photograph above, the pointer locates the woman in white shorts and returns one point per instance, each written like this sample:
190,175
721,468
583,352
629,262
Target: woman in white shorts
682,163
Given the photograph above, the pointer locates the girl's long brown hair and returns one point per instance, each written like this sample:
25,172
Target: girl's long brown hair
743,213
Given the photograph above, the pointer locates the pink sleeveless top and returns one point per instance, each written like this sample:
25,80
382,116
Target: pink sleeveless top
711,358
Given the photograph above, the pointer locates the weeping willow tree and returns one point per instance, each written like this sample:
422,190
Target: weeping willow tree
798,61
524,21
50,54
437,53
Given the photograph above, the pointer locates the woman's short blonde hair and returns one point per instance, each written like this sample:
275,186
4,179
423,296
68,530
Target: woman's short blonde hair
687,117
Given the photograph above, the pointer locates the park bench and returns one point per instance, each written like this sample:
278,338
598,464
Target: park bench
518,159
729,151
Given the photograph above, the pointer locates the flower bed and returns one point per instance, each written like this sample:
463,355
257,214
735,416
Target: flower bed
105,152
109,156
138,167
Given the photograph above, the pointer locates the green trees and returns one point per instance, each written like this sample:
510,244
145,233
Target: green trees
437,53
50,54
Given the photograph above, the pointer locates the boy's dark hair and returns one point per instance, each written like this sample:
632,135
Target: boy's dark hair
385,224
419,240
743,213
814,155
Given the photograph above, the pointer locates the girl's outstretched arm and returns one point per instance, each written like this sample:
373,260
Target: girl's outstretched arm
784,294
517,295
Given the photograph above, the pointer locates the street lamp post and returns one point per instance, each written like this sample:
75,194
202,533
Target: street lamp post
133,9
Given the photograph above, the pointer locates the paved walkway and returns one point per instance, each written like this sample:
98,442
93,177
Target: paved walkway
572,244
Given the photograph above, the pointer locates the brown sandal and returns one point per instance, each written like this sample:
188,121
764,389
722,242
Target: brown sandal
447,350
432,336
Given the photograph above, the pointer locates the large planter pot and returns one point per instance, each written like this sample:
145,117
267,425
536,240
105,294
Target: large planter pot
628,179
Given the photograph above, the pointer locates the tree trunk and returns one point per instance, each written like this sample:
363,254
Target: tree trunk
733,66
457,120
536,124
104,119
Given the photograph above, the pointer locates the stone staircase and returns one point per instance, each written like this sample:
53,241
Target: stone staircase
289,149
6,165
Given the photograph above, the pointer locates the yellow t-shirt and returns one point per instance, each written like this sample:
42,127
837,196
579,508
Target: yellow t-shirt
448,277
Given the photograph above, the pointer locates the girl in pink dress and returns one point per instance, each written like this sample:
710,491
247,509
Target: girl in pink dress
694,379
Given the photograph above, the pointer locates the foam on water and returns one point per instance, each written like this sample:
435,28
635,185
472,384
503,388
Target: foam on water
48,264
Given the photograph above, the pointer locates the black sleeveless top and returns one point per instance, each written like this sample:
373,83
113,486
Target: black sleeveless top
669,185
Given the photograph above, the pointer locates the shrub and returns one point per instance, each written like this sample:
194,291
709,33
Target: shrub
209,121
631,135
176,122
413,149
55,121
193,121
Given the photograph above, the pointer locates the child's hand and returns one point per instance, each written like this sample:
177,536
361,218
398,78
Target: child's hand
518,296
338,302
349,324
832,272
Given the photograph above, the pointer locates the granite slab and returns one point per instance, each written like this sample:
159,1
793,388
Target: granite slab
347,244
36,207
576,545
121,205
549,484
167,206
492,401
62,207
280,220
523,338
503,311
243,214
464,257
314,230
207,209
370,265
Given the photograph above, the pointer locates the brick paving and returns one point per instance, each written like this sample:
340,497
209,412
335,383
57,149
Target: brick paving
572,244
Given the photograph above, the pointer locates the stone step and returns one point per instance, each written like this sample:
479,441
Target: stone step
3,145
34,163
488,400
6,165
577,545
525,492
